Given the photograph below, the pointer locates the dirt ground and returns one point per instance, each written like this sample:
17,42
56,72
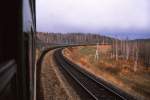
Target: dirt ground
53,84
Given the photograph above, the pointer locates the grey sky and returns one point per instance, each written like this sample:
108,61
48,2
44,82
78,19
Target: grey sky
94,16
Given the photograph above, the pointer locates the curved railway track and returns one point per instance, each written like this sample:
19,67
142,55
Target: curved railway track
90,87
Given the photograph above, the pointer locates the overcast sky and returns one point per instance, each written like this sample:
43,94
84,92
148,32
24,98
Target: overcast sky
109,17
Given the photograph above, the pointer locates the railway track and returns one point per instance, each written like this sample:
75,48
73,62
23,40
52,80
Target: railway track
91,87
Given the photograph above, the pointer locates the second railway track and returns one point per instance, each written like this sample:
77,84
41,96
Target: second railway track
93,89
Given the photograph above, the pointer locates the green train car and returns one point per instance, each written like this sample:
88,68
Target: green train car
17,50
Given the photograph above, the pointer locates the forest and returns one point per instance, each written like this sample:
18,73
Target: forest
130,50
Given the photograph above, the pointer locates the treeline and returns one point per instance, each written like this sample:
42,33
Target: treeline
135,50
132,50
72,38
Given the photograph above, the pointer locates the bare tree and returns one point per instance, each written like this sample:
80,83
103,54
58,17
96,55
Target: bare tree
136,57
116,52
97,52
127,49
113,49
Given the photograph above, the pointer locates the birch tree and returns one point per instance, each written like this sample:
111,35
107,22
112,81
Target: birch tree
116,50
113,49
121,48
97,53
127,49
136,57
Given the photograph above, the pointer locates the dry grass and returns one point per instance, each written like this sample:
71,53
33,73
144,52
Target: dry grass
53,84
120,73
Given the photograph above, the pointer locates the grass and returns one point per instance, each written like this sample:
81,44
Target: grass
119,73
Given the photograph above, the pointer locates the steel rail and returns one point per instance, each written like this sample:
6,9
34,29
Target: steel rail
77,74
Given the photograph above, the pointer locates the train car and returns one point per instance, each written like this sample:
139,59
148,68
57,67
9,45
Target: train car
17,50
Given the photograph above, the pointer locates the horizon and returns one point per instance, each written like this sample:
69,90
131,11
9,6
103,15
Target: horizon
117,36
